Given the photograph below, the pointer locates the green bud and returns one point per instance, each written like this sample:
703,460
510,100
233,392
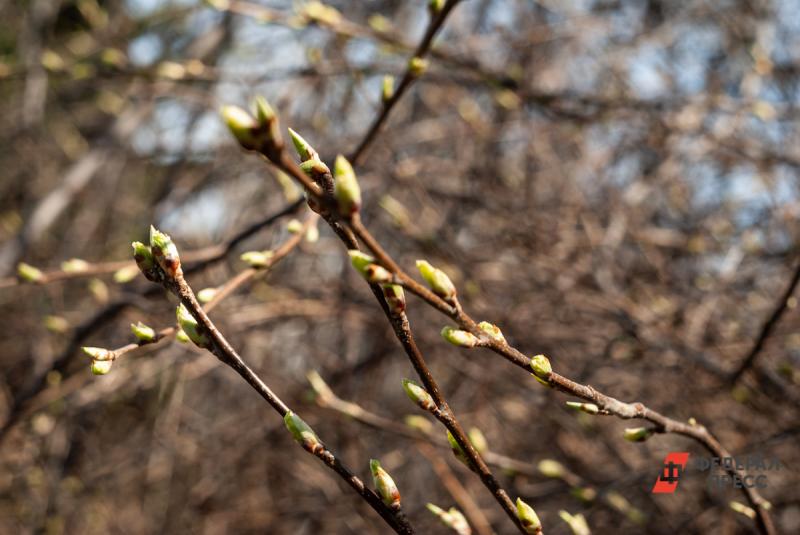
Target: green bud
584,494
127,273
420,423
528,518
302,432
312,234
294,226
493,331
459,338
435,6
182,337
478,440
742,509
378,274
314,168
385,485
56,324
588,408
242,125
74,265
101,367
143,332
191,327
346,188
164,252
206,294
395,298
360,260
303,148
387,90
452,519
417,66
144,260
457,451
551,468
264,112
419,395
541,369
28,273
437,280
577,523
99,353
257,259
637,434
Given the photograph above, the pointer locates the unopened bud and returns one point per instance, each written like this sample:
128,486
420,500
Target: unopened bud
584,494
182,337
541,369
419,395
127,273
453,519
478,440
459,338
98,353
346,188
28,273
493,331
384,484
101,367
457,450
264,112
637,434
191,327
395,298
387,90
303,147
528,518
257,259
742,509
314,168
551,468
577,523
365,264
242,125
206,294
417,66
56,324
360,260
378,274
436,279
294,226
588,408
144,260
302,432
435,6
74,265
164,252
420,423
143,332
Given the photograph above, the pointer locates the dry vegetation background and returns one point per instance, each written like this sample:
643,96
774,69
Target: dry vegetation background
613,183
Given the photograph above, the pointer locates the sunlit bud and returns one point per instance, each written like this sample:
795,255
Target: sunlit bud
346,188
182,337
360,261
621,504
551,468
387,90
257,259
452,519
99,290
637,434
395,298
143,332
417,66
459,338
435,6
242,125
322,13
56,324
378,274
436,279
478,440
384,484
527,517
303,148
419,395
264,112
144,260
457,450
127,273
584,494
493,331
312,234
541,369
420,423
28,273
206,294
742,509
692,422
302,432
98,353
74,265
314,168
101,367
588,408
294,226
164,252
319,385
577,523
189,325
